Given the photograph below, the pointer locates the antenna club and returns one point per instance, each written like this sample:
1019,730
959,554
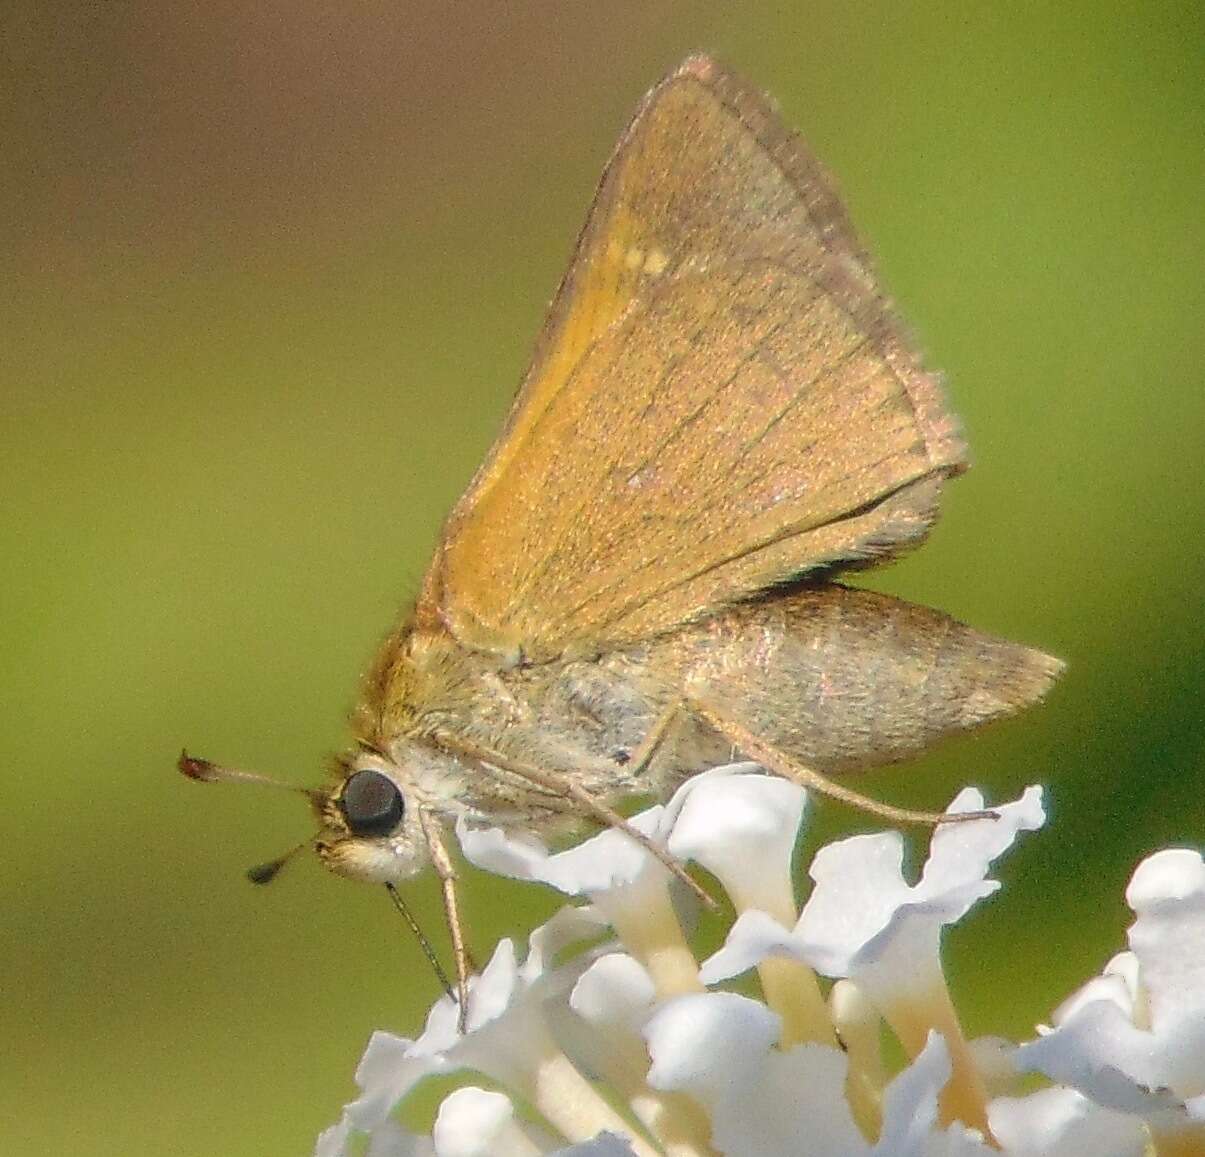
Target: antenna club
196,768
265,873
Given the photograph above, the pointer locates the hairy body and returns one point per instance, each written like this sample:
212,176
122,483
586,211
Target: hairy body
835,678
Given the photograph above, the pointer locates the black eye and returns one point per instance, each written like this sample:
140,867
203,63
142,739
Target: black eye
372,804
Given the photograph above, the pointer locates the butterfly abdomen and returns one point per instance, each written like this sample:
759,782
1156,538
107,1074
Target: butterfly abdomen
844,679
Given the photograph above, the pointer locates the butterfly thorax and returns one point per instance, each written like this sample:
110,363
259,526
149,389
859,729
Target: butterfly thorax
430,701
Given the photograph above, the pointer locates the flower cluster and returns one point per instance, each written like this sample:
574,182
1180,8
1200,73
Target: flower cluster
629,1048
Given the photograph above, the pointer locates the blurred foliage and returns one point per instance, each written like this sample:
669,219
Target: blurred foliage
270,273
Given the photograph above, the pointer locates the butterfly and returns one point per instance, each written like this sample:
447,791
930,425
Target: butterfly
722,415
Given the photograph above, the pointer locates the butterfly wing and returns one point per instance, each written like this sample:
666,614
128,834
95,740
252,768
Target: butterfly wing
721,399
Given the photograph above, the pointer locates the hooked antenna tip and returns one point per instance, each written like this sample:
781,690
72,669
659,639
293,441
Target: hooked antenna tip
195,767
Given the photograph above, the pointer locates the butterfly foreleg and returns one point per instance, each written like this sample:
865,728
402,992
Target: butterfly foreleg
651,744
441,861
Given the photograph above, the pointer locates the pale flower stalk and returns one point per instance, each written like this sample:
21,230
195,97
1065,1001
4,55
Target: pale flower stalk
631,1047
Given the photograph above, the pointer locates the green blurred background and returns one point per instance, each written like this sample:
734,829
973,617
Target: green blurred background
270,272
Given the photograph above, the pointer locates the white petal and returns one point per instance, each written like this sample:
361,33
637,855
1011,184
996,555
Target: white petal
796,1106
995,1059
910,1102
491,994
388,1070
859,885
1098,1051
391,1140
614,989
962,852
475,1123
604,1145
1113,989
1172,876
1167,893
611,1000
754,937
705,1043
1097,1046
958,1141
517,855
469,1120
570,925
864,912
332,1141
602,862
1125,965
392,1065
1063,1123
388,1139
719,1048
863,915
742,829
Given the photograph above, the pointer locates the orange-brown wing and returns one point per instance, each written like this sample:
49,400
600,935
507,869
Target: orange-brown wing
721,399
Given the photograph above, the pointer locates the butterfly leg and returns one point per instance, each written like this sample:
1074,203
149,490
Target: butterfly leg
613,819
446,871
772,759
644,755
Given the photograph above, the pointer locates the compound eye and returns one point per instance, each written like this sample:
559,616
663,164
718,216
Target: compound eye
372,804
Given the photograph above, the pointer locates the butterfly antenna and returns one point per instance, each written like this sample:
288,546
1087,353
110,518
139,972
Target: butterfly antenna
204,771
423,942
266,873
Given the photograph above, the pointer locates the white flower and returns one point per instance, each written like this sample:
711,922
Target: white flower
1133,1039
624,1052
865,922
507,1038
630,887
767,1102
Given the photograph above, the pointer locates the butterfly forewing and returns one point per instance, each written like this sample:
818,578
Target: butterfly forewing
720,400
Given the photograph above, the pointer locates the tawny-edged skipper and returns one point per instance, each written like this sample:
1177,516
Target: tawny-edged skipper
721,415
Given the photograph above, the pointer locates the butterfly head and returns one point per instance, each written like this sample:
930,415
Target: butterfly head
371,829
369,823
